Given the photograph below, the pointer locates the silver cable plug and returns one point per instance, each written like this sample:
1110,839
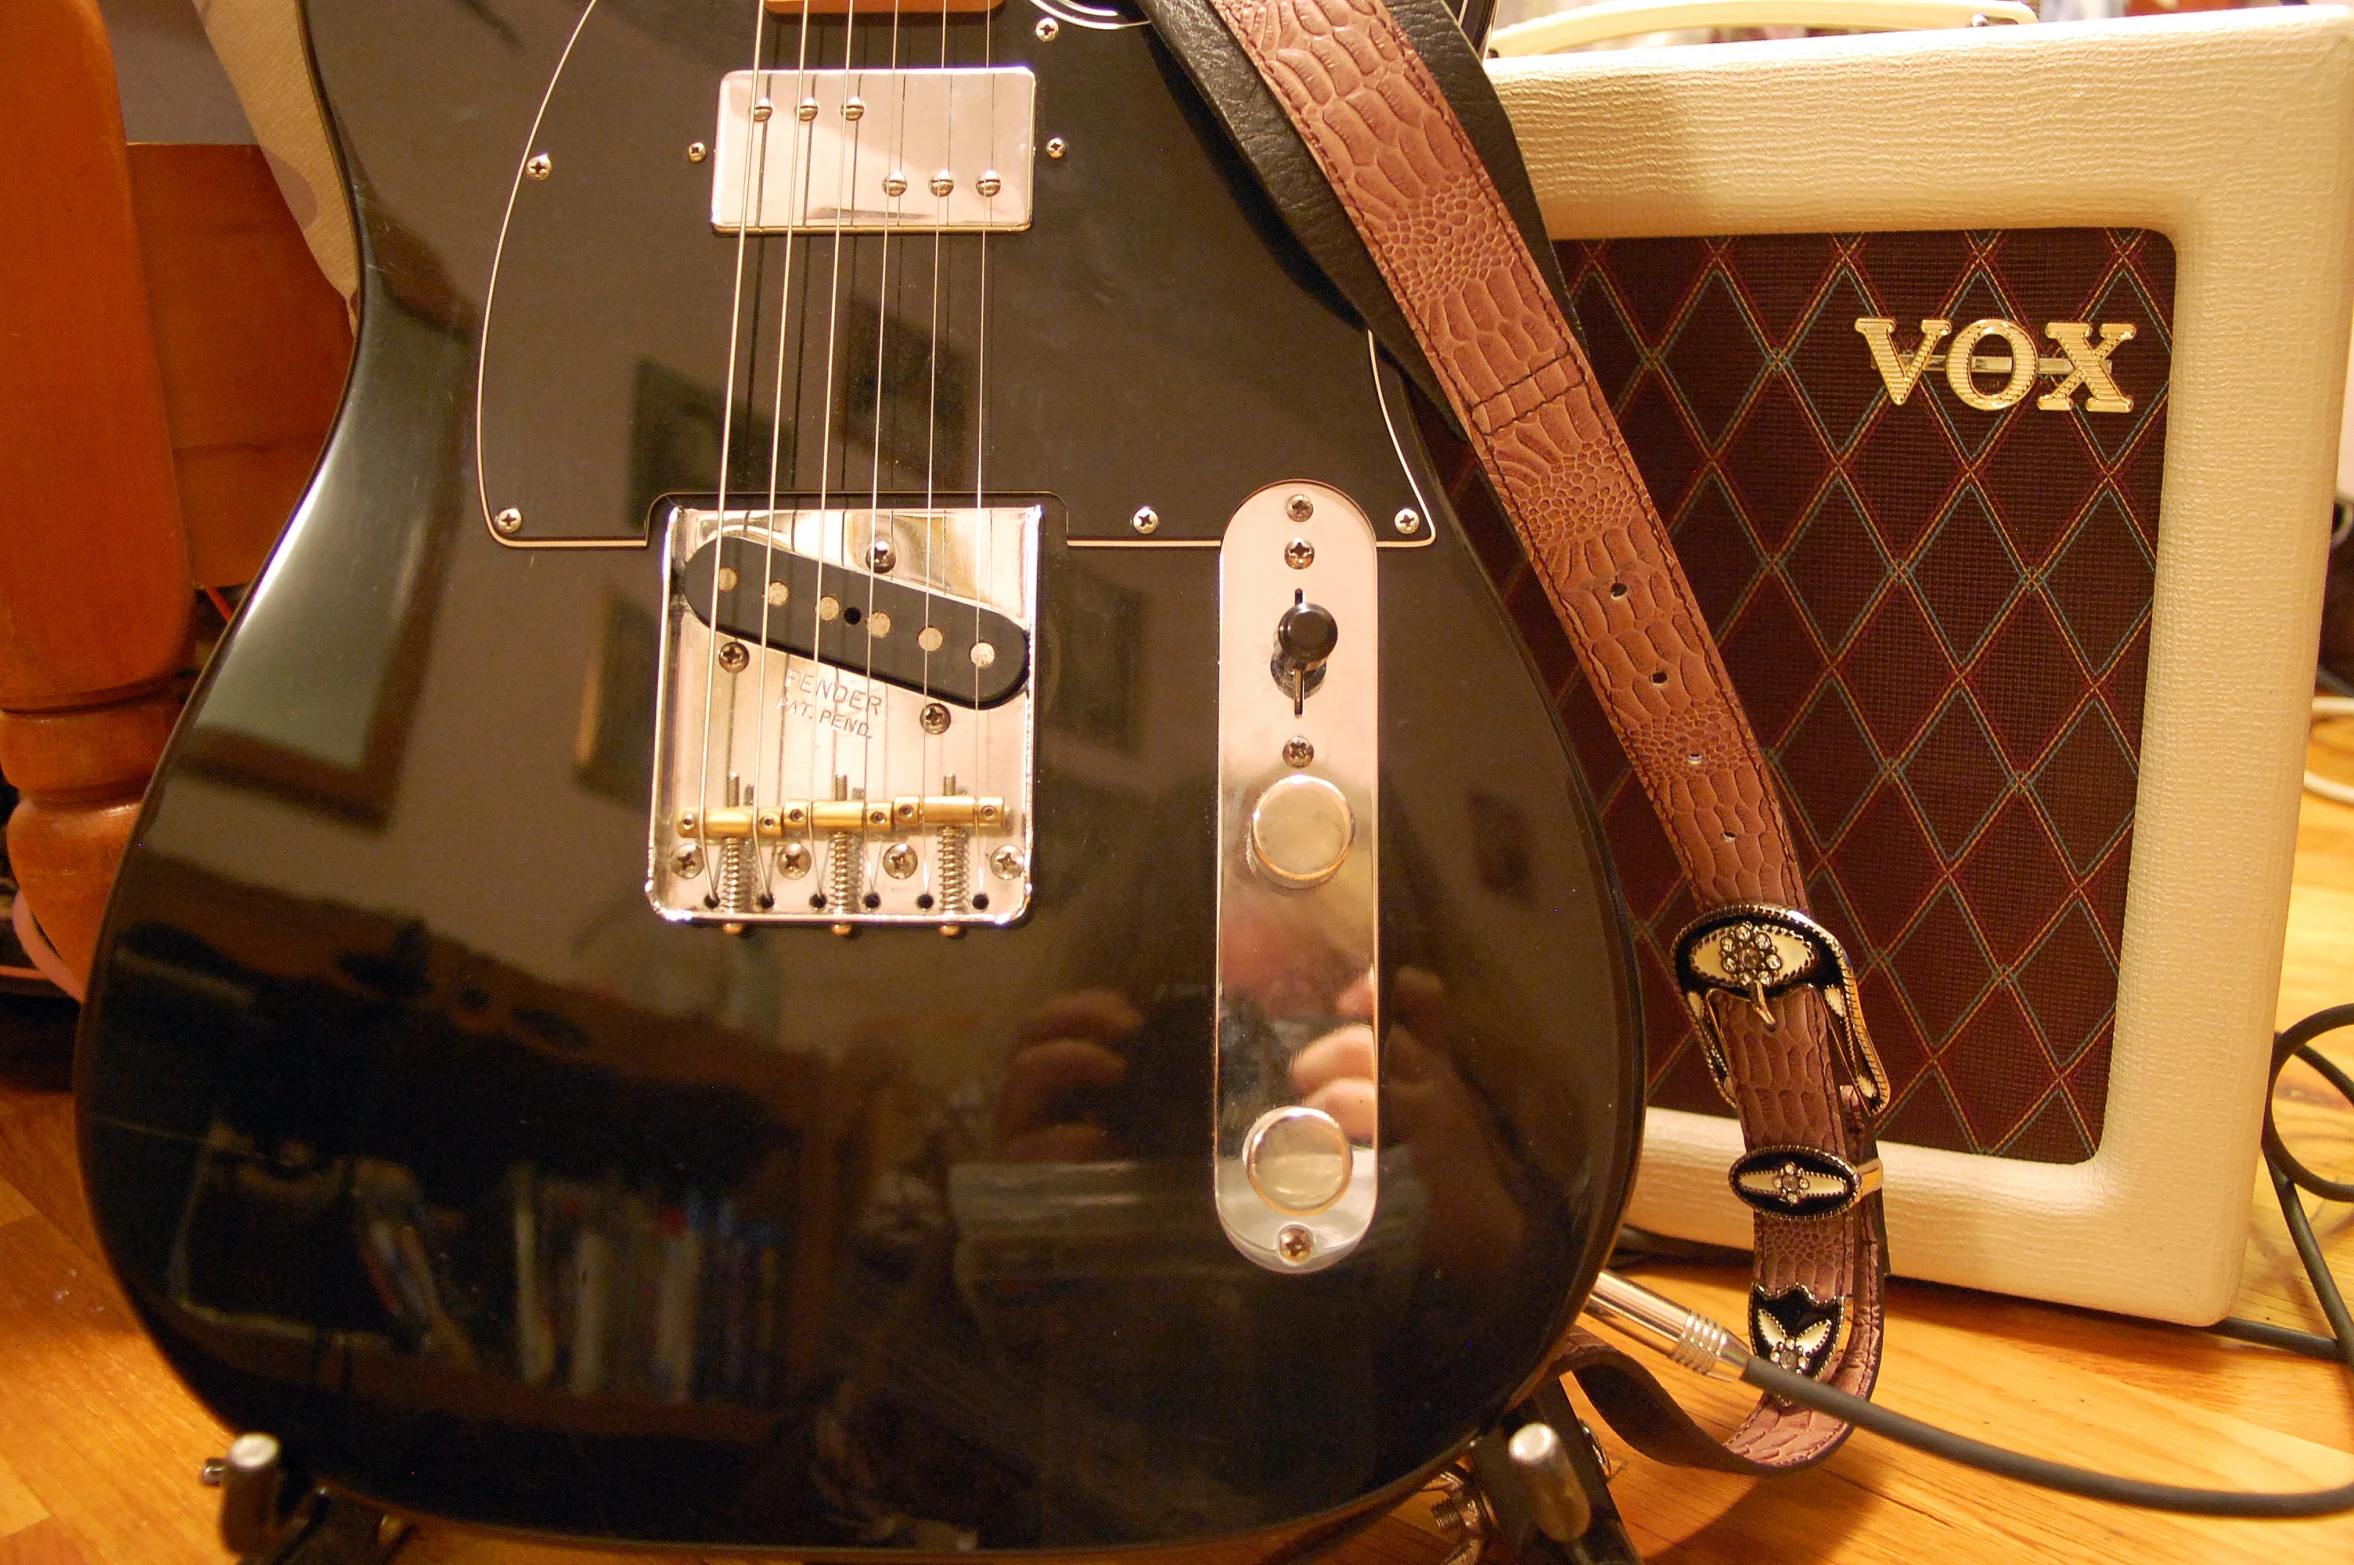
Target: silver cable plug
1690,1340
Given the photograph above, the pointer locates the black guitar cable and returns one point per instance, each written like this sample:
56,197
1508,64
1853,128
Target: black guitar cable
1700,1344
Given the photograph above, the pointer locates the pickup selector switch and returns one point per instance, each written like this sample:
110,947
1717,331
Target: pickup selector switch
1304,640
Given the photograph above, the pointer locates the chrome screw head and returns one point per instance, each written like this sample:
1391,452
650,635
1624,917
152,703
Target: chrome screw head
882,556
805,110
1299,554
854,108
1299,508
899,861
1294,1243
1406,520
734,657
1046,29
540,166
1146,521
697,152
1056,146
687,861
934,718
509,521
1297,751
761,111
793,860
942,183
895,183
1006,862
989,184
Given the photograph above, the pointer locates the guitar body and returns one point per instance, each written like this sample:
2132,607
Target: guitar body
519,1148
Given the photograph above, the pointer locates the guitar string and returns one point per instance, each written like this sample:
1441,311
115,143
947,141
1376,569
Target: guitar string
985,567
846,181
877,716
755,152
797,173
930,760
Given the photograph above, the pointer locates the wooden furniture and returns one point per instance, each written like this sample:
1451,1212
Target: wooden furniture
170,359
99,1446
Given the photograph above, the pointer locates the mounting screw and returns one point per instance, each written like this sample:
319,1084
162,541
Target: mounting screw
763,109
895,183
1299,554
934,718
213,1470
1046,29
697,152
854,108
688,862
793,859
540,166
1056,147
733,657
1006,862
1294,1243
1299,508
882,556
899,861
805,110
943,183
1406,520
989,184
1146,521
1297,751
509,521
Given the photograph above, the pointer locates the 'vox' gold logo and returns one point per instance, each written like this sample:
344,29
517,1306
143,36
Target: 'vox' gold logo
2082,363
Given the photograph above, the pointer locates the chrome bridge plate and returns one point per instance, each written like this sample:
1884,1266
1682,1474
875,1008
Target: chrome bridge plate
854,745
862,151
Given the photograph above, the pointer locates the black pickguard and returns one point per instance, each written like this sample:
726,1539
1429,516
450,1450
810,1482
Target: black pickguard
384,1025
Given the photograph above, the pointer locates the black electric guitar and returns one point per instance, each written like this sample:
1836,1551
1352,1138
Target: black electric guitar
876,868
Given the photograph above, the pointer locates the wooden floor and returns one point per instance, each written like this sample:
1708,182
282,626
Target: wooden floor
99,1445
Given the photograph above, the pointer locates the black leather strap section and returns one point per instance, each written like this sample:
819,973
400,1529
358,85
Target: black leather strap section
1633,1402
1262,132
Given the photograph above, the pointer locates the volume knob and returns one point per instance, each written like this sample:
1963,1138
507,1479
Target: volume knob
1301,831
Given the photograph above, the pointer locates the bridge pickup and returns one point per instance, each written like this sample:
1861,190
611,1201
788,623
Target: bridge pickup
948,648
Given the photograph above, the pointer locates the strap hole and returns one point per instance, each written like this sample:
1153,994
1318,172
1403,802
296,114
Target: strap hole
1693,759
1659,677
1618,589
1729,836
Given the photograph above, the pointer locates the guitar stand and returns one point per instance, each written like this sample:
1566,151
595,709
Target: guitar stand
317,1527
1533,1496
1536,1494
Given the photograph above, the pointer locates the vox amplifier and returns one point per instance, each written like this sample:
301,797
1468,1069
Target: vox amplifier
1990,381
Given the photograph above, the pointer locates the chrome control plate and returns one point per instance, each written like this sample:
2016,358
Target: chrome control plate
854,746
861,151
1298,1056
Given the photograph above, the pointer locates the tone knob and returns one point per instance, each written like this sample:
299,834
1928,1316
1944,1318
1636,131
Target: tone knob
1301,832
1298,1159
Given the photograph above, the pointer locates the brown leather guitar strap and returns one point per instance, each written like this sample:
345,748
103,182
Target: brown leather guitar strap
1770,991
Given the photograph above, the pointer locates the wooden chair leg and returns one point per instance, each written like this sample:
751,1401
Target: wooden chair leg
94,580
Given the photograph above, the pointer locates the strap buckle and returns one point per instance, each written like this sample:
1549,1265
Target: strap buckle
1754,952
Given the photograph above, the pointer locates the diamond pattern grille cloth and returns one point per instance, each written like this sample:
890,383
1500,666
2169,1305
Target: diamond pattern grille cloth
1939,620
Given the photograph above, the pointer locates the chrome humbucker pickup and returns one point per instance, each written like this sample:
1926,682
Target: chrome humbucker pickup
845,725
861,151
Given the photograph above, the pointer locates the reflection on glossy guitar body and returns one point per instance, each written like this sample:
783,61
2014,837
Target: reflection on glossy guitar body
874,871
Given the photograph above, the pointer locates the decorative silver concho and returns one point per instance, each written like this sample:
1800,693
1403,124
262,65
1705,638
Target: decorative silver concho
1754,952
1786,1181
1795,1329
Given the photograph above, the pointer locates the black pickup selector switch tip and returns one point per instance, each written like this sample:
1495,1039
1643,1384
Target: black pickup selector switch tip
1304,639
